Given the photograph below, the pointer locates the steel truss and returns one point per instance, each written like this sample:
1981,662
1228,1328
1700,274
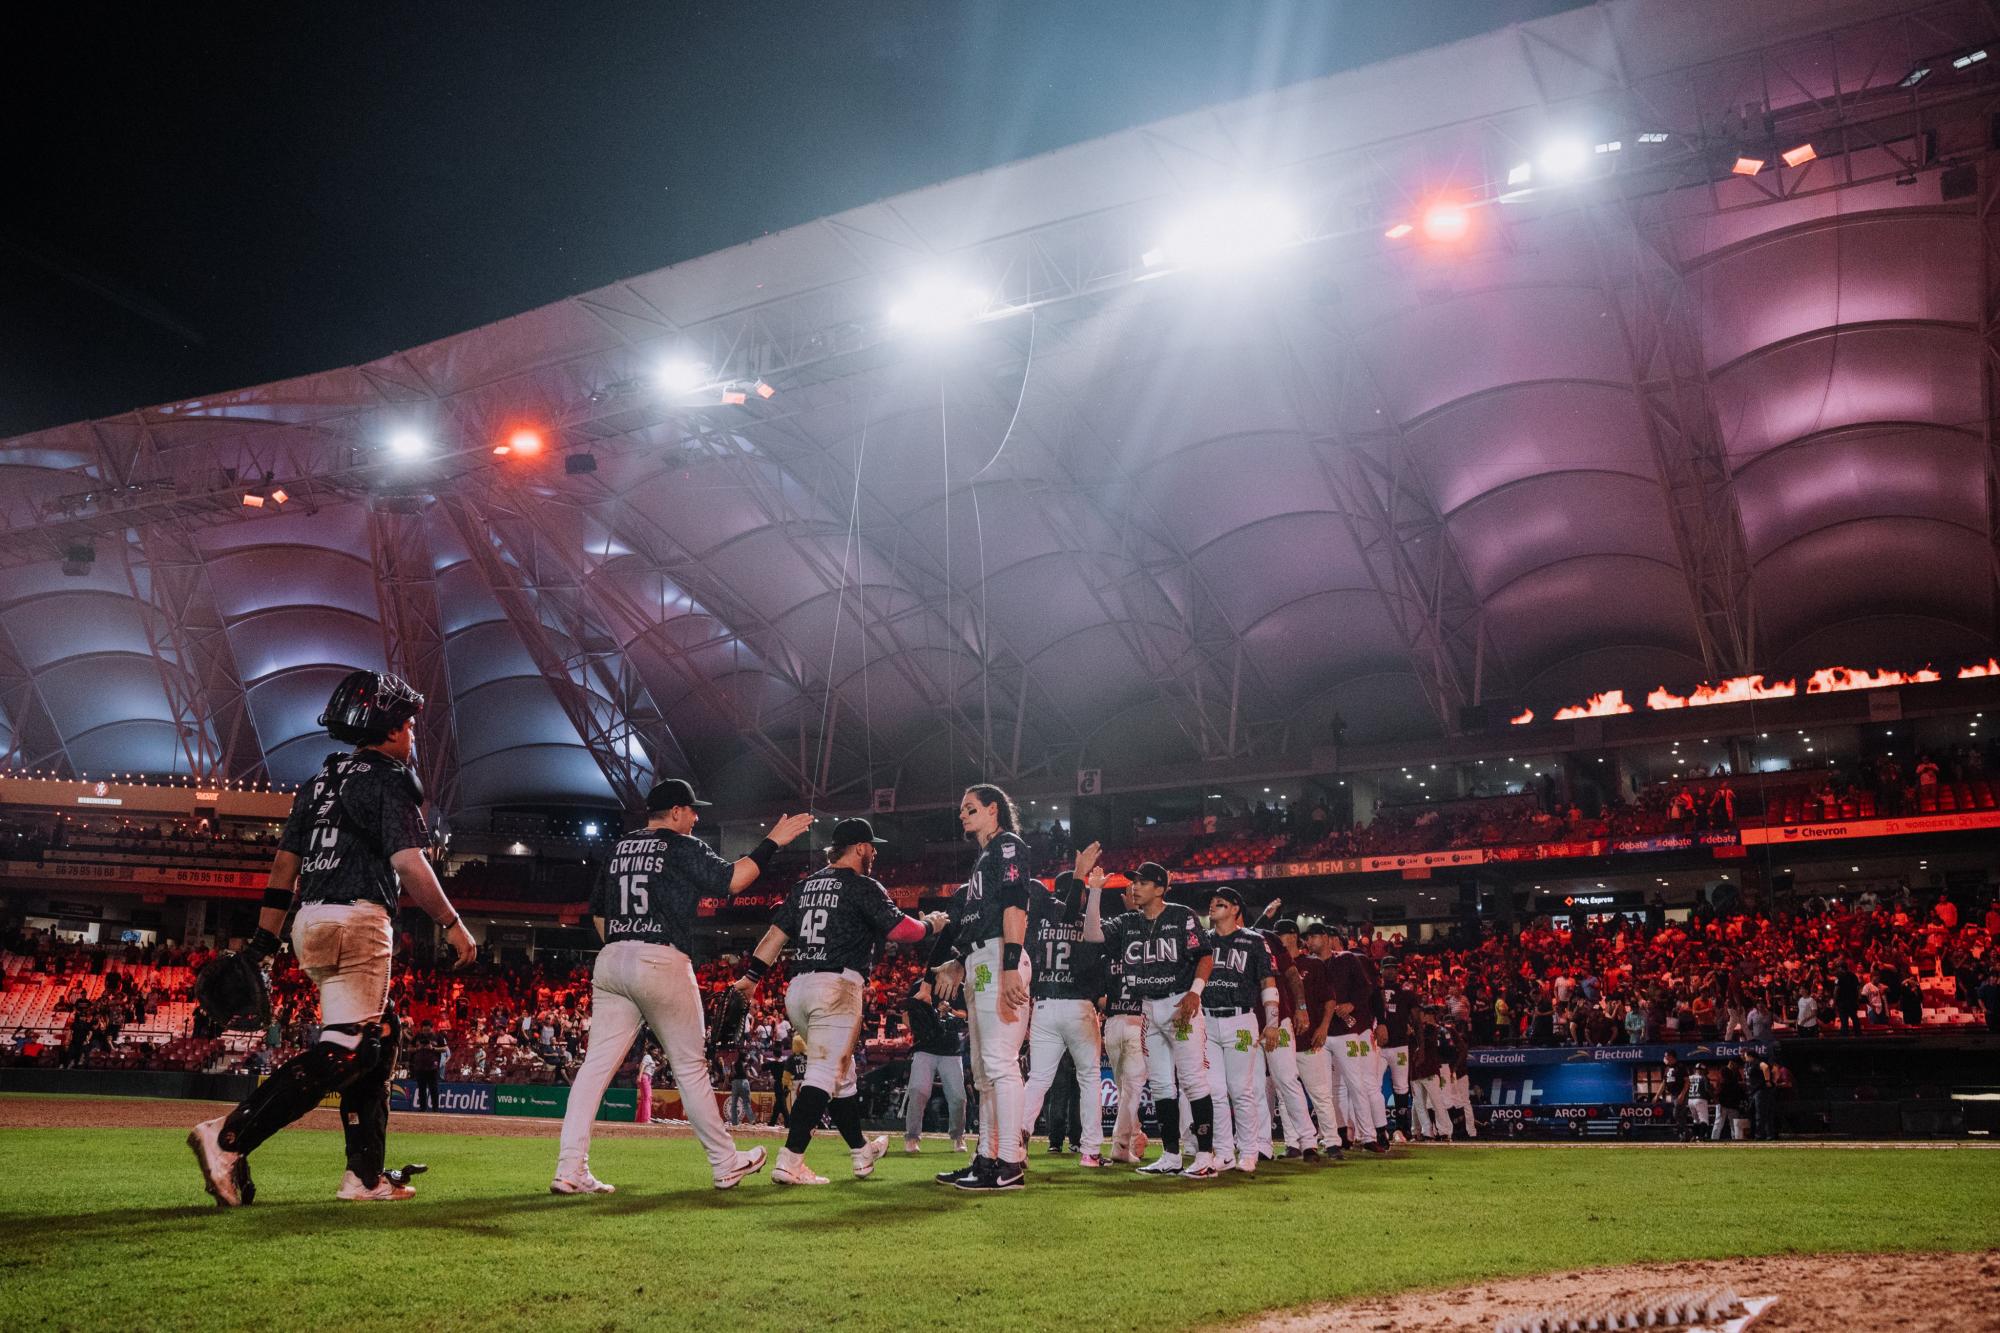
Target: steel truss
413,640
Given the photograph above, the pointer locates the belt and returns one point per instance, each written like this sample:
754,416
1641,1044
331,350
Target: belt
1225,1013
847,972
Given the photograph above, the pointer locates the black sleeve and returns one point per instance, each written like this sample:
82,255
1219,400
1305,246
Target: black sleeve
298,824
1012,871
786,918
699,866
388,808
1067,904
1266,967
1196,946
875,904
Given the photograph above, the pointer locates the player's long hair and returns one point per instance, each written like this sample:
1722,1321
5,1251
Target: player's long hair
989,795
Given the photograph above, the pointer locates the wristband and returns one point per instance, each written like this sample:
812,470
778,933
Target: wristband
1270,1015
277,899
1010,956
760,855
446,926
262,945
756,969
1198,987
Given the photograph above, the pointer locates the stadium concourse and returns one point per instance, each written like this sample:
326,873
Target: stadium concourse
1524,516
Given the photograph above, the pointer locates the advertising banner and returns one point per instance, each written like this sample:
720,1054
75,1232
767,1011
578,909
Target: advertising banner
1575,1075
549,1100
1872,828
462,1098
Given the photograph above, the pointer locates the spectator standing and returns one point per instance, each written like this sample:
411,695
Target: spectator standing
426,1057
1807,1023
648,1066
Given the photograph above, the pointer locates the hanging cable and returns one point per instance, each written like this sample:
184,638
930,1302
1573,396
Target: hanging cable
840,605
979,531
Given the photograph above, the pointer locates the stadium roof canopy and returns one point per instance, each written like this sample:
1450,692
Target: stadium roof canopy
1657,423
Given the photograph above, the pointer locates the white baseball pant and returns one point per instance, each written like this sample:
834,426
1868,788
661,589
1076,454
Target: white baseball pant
1283,1062
1058,1026
1458,1092
1233,1050
1125,1049
996,1055
346,949
1176,1053
825,1008
1397,1058
1360,1074
1427,1109
633,982
1316,1074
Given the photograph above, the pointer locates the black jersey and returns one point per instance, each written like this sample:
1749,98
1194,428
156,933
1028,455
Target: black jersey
1063,962
359,810
1158,956
836,919
999,881
651,884
1242,961
1398,1010
1119,997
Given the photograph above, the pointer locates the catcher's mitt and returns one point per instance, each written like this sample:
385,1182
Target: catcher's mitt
230,992
726,1014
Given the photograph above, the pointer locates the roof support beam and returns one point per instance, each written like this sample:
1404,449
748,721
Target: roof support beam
1989,375
413,640
33,738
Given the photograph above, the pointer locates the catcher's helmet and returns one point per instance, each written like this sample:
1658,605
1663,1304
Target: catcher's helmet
367,706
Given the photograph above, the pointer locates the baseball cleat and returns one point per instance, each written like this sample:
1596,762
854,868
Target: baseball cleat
581,1183
746,1164
957,1174
867,1155
1201,1168
222,1173
384,1190
1397,1137
912,1147
1248,1166
1376,1147
1089,1159
1292,1153
1139,1145
1166,1164
406,1173
794,1173
999,1176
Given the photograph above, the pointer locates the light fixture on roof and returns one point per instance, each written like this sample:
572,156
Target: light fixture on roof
1446,222
1798,157
252,500
764,390
1969,59
935,303
734,397
408,444
1563,159
1747,166
1521,173
681,375
1229,232
1399,231
278,496
1915,76
1652,136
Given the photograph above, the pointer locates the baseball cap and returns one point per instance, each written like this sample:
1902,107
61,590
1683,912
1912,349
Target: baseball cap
1317,928
1228,895
850,831
1153,873
1285,926
669,793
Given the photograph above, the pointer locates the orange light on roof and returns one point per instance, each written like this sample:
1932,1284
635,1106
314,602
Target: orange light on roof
1399,231
1748,166
503,449
1798,157
279,497
254,501
526,442
1446,222
735,397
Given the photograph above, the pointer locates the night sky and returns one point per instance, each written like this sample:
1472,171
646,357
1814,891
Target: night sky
204,196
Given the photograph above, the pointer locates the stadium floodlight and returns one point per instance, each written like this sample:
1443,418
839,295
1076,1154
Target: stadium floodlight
1747,166
1399,231
1969,59
935,303
525,443
1521,173
590,830
764,390
1446,222
1564,159
1231,232
1798,157
408,444
734,397
1652,136
681,375
253,501
1613,146
278,496
1915,77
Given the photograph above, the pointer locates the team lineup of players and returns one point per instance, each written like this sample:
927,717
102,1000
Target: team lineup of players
1204,1015
1211,1016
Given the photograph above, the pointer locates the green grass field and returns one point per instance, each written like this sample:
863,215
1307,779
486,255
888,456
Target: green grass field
108,1228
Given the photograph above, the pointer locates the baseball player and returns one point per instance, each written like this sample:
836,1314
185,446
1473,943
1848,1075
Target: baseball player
834,921
1316,1069
1063,989
354,837
1430,1122
1397,1005
1352,1039
1242,982
1164,953
1282,1059
1124,1037
937,1033
1453,1048
644,908
983,951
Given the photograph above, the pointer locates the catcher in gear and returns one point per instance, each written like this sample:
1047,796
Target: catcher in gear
354,840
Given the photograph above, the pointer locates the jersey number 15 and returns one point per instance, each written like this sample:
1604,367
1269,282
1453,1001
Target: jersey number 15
633,900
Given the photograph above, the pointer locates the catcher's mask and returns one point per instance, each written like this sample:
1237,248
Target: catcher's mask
367,706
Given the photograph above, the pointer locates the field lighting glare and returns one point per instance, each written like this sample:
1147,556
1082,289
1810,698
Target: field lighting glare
407,444
1228,233
936,303
681,375
1446,222
1564,159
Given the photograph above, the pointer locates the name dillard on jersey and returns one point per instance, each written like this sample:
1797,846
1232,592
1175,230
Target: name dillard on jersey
819,893
636,863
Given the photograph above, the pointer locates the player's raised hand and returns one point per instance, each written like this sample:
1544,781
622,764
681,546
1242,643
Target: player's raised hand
787,829
1095,879
746,987
1013,995
937,921
1086,859
950,980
